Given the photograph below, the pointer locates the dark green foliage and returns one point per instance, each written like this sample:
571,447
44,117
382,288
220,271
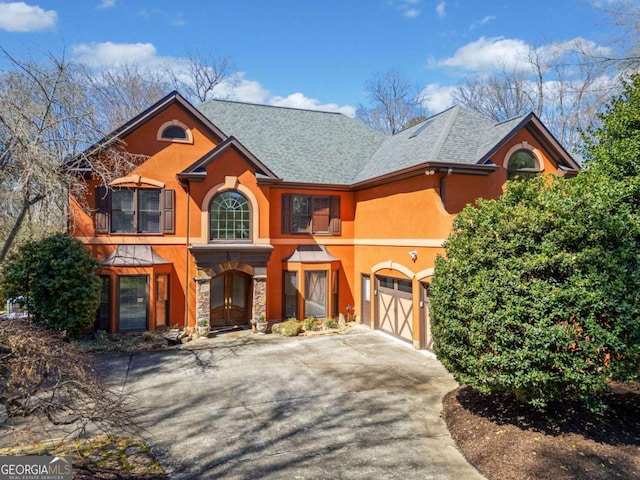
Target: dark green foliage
613,148
57,276
539,293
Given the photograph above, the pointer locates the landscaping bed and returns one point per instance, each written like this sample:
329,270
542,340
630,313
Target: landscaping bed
509,441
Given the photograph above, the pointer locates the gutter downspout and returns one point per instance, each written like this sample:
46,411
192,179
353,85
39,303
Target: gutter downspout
442,187
186,251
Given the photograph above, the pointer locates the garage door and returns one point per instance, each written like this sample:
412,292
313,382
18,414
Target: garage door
395,307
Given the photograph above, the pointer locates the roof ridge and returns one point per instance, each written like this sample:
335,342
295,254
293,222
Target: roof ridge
455,110
269,106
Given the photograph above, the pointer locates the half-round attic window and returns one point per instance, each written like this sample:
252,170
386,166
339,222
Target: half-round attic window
522,160
175,131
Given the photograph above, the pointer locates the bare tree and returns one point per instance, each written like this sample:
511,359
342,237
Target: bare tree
562,85
201,73
46,117
119,94
393,100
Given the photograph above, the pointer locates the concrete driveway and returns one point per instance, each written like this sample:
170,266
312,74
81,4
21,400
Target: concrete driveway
351,406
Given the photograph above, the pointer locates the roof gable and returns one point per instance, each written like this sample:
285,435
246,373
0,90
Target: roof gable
142,118
197,170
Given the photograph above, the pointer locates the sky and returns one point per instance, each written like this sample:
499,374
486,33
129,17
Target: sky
314,54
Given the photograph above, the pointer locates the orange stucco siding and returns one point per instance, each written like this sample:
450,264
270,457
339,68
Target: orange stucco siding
390,229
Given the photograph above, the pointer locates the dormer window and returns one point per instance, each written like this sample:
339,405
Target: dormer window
175,131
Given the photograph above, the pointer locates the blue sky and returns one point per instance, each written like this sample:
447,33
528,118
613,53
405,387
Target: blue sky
306,53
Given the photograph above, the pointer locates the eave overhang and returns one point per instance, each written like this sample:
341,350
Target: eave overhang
429,168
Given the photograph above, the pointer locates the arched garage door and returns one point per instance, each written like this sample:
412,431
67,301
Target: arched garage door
394,307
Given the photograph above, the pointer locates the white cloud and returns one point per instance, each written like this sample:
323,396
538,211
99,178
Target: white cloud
483,21
440,9
436,98
109,54
411,12
20,17
298,100
107,4
490,54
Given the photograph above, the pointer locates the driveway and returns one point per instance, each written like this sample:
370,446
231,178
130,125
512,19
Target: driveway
248,406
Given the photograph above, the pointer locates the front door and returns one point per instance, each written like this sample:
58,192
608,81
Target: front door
230,299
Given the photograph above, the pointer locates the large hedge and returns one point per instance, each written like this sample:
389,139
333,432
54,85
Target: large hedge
538,295
57,277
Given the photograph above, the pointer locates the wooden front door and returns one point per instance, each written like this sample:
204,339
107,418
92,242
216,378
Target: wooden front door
230,299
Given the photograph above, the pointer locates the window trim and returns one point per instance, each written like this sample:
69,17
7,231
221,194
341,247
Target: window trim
174,123
287,215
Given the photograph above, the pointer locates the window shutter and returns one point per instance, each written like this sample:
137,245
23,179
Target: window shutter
286,214
335,225
103,201
168,211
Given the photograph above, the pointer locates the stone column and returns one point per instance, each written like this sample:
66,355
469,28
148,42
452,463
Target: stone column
203,299
259,297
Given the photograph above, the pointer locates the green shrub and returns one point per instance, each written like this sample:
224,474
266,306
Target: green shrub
57,277
310,324
538,294
330,323
290,328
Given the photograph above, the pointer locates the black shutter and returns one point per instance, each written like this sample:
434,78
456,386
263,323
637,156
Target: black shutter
168,198
335,225
103,209
286,214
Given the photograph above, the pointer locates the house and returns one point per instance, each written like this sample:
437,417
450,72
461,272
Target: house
242,210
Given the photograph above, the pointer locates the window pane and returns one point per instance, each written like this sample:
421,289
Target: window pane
149,211
132,296
290,307
522,159
217,291
238,293
404,286
301,219
315,294
229,217
122,210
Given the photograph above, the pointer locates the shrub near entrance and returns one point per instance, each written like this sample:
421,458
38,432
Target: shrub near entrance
538,294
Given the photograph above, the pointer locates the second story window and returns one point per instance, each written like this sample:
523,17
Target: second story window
229,217
134,210
311,214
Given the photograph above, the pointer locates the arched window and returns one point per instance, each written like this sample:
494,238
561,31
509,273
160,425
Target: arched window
229,217
175,131
522,162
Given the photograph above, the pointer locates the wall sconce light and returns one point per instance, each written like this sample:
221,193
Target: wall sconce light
414,255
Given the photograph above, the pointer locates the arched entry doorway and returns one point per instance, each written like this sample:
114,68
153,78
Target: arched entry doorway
230,299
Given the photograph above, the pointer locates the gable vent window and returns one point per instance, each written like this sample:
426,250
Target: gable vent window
175,131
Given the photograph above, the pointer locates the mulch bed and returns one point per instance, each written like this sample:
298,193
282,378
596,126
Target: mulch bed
508,441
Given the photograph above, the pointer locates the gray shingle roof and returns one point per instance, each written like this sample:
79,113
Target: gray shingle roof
319,147
298,145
